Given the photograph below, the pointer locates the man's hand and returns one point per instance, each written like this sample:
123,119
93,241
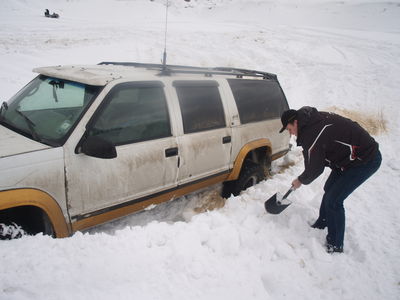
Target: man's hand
296,183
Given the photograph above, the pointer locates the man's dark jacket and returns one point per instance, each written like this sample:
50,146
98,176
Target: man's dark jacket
331,140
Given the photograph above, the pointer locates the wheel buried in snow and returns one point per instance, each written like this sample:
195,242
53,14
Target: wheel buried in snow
16,222
10,231
250,175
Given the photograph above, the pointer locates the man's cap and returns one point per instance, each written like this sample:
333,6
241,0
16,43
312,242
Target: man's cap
287,117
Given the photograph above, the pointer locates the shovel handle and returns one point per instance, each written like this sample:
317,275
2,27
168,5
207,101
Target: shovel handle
288,192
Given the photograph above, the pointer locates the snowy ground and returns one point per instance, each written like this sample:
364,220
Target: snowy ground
343,53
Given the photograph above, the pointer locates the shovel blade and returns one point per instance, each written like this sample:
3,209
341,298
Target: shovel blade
274,207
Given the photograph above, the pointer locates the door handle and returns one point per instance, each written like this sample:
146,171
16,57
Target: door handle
171,152
226,139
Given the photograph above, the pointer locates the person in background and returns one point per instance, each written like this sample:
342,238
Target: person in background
330,140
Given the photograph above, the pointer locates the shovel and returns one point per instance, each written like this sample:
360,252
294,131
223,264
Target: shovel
274,205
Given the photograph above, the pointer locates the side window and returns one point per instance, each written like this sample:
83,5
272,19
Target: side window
258,100
201,105
134,112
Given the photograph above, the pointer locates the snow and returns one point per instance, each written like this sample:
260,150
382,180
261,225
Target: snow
326,53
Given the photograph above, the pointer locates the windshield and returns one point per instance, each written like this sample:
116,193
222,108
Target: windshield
47,109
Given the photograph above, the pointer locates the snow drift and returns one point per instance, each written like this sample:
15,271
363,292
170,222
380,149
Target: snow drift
327,54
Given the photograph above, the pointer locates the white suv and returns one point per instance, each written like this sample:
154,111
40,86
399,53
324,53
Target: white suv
83,145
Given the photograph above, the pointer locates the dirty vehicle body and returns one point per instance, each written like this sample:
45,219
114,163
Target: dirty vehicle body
83,145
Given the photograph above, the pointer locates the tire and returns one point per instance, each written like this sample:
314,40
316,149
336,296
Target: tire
19,221
11,231
250,175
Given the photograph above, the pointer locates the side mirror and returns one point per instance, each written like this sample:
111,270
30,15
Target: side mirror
98,147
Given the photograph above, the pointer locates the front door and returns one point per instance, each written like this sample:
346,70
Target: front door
134,117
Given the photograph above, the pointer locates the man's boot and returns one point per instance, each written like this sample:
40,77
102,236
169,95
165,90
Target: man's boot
319,224
330,248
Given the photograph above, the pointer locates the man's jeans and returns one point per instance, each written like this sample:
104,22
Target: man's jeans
338,186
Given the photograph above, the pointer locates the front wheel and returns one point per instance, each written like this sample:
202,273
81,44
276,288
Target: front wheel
24,220
251,174
10,231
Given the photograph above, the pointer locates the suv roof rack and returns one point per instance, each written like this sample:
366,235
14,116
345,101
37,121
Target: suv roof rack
168,69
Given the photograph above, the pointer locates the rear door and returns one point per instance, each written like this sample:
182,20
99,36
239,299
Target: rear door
205,145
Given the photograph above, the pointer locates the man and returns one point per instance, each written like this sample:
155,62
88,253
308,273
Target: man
343,145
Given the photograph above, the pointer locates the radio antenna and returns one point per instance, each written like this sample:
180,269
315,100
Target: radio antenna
164,61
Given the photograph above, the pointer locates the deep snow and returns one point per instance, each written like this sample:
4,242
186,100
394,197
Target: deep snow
344,54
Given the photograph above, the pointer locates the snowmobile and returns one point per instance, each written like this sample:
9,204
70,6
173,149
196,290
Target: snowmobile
48,15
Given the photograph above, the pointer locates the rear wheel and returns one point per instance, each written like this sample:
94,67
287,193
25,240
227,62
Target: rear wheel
250,175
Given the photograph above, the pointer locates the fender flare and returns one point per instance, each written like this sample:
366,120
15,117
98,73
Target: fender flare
40,199
237,165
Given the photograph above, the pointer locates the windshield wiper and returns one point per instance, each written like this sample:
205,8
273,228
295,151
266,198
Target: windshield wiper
4,107
56,85
30,124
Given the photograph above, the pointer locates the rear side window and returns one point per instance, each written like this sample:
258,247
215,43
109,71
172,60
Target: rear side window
201,105
258,100
134,112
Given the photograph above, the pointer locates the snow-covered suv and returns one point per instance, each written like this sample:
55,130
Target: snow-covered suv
83,145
